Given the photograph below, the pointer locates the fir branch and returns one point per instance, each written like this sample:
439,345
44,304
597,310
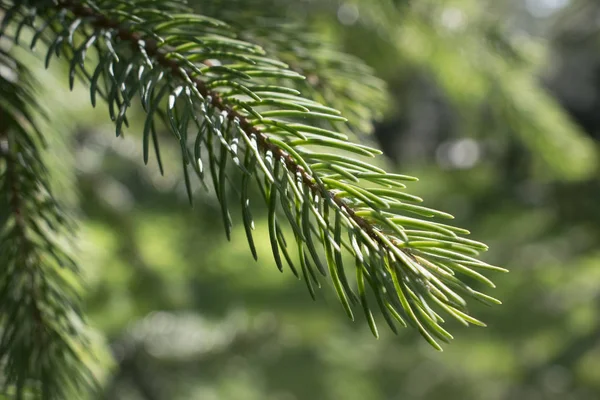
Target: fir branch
192,73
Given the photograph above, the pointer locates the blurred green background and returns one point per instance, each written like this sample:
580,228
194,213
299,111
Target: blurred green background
494,105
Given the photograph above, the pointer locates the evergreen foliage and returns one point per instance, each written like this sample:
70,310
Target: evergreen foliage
243,109
43,342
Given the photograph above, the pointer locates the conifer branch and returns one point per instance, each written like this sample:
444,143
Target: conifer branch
264,144
190,72
42,333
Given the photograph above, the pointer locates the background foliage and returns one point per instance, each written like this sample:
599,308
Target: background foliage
492,104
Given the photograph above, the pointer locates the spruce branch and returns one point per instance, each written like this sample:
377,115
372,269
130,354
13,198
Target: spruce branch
43,340
193,73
